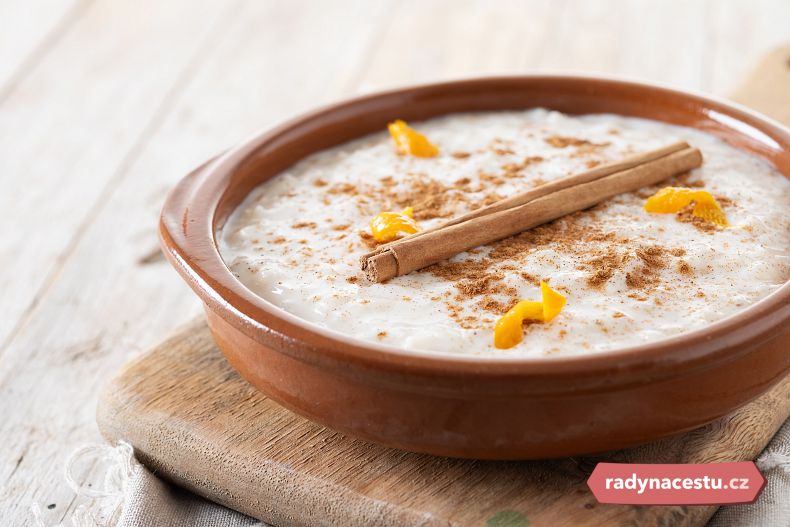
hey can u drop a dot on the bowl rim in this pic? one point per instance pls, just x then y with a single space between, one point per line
189 237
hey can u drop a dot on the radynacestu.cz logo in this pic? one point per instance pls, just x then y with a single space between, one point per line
676 484
705 482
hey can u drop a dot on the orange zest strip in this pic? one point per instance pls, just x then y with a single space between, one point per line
387 225
410 141
675 199
508 330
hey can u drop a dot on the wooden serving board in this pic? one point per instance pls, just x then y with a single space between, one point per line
194 421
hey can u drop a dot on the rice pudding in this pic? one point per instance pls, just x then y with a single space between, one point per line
629 276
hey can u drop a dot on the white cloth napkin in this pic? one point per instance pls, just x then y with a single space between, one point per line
151 501
772 507
131 496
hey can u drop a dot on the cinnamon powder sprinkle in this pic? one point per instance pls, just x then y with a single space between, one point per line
367 240
653 256
343 188
478 286
724 201
428 197
559 141
492 305
638 279
490 178
603 267
645 276
686 216
685 268
511 170
602 254
531 278
502 147
462 183
455 271
490 276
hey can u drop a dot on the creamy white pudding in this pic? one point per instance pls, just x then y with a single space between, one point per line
629 276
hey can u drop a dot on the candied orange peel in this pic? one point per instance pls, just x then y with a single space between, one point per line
675 199
508 330
386 226
410 141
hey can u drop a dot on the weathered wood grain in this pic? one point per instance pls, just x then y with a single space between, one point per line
28 31
112 296
193 420
772 94
69 125
737 34
441 39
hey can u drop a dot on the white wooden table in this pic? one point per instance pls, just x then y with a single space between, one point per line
104 105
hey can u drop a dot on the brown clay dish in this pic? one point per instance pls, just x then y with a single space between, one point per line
477 407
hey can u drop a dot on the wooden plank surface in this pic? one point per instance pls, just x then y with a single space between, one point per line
771 95
104 105
62 149
193 420
28 30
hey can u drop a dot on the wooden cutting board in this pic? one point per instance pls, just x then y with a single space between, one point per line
194 421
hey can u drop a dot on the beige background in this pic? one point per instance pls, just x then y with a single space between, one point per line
104 105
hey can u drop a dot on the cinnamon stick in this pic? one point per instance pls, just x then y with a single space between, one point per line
527 210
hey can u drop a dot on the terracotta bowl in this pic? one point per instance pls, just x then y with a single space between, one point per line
476 407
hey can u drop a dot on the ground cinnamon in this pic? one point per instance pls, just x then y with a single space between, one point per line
529 209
